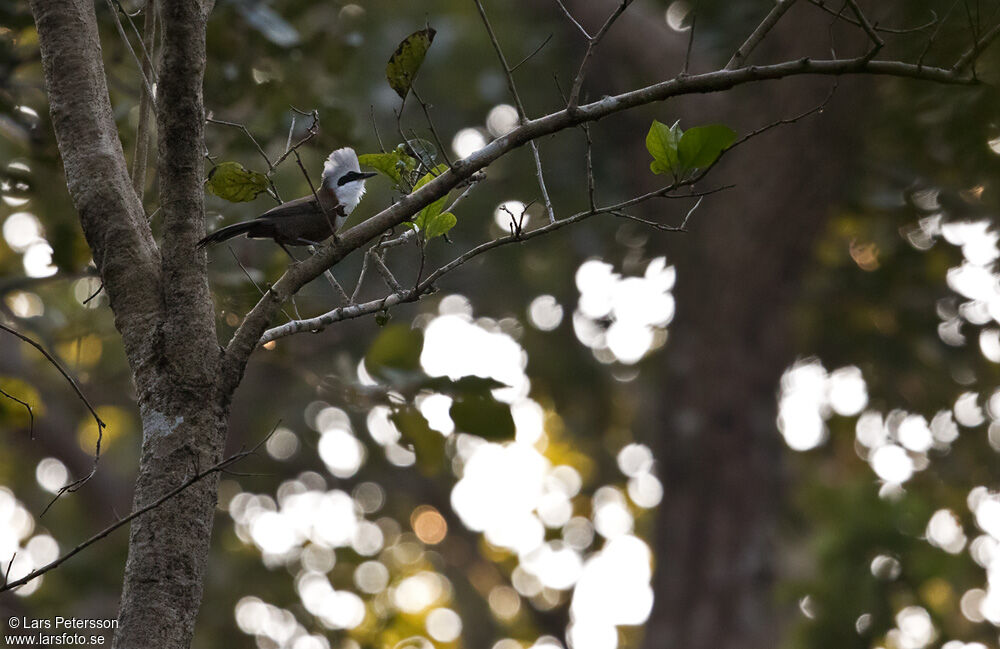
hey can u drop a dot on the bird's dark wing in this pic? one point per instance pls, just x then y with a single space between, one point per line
299 207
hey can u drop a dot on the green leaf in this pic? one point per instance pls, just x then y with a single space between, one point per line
235 183
701 146
425 217
395 352
662 142
405 61
440 225
393 164
483 416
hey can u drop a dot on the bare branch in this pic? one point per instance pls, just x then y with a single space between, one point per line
690 44
142 137
76 484
821 4
759 33
877 42
573 20
250 277
521 114
386 274
541 182
531 54
591 181
31 415
430 123
69 379
934 34
574 93
970 56
128 45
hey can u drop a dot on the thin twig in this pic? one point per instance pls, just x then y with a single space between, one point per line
143 134
128 45
541 182
877 42
573 20
232 459
758 34
69 379
361 276
76 484
532 54
256 144
591 181
146 57
378 138
521 114
934 34
31 415
430 123
821 4
387 276
250 277
690 45
574 93
970 56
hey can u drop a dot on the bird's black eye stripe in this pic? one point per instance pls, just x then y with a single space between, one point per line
348 177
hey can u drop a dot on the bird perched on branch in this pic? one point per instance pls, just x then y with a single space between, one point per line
311 219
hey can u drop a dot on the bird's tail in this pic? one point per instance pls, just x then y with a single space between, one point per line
227 232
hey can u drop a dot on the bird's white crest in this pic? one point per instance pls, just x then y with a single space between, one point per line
337 164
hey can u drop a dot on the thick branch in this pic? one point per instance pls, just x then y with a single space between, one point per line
248 335
189 327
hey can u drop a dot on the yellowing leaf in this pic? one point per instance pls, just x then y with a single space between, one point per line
439 225
405 61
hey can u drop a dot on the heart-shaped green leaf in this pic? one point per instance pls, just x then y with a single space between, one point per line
662 142
701 146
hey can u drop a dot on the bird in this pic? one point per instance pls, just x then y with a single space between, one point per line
306 221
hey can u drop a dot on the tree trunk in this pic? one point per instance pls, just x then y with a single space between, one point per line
161 302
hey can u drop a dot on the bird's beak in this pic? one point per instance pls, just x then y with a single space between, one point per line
367 174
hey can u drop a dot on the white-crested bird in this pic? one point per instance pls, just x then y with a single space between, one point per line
306 221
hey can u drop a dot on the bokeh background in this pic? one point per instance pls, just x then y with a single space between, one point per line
779 428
